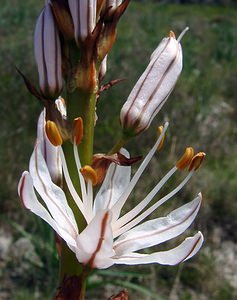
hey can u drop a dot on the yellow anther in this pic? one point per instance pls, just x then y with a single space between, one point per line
197 161
160 130
186 159
89 174
53 133
77 130
172 35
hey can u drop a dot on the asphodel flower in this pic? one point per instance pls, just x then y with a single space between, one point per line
84 18
109 237
154 86
48 56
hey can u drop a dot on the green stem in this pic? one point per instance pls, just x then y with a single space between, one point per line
80 104
83 104
119 144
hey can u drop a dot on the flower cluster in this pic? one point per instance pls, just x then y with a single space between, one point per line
72 41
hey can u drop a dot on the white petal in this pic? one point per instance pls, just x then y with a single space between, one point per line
51 194
115 183
189 247
159 230
95 243
30 201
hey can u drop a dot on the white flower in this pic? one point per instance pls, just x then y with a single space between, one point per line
108 237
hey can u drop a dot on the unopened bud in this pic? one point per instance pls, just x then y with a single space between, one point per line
53 133
186 159
77 130
89 174
160 130
48 55
84 18
197 161
112 12
153 88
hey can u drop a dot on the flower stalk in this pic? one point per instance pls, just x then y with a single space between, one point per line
72 42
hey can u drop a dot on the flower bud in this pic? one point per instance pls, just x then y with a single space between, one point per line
48 56
153 87
84 18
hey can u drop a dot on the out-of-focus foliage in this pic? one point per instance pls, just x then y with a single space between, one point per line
201 110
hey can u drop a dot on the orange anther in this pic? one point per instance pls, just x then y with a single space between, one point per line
77 130
172 35
89 174
197 161
160 130
53 133
186 159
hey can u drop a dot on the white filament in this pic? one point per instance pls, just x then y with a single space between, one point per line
182 34
137 209
146 213
71 188
121 201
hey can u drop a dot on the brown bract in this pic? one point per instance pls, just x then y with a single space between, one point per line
101 163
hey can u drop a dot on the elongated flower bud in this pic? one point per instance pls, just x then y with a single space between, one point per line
153 88
47 50
84 17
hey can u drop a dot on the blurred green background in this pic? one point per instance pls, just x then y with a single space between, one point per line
202 113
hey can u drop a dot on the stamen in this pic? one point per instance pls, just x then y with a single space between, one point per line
186 159
160 130
123 198
69 183
89 174
147 212
53 133
197 161
82 181
182 34
77 130
89 204
172 35
137 209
